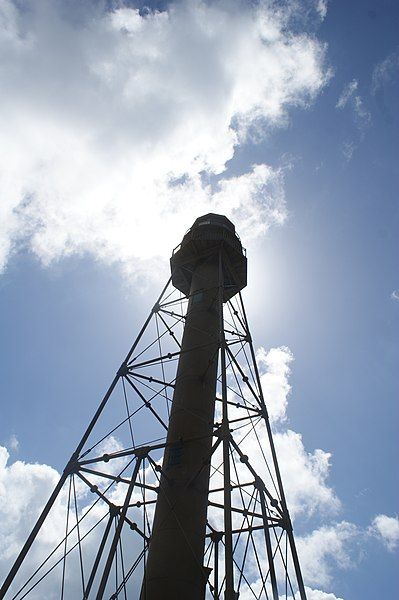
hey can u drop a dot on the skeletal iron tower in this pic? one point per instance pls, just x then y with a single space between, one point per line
174 491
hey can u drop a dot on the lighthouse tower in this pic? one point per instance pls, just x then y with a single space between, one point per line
174 490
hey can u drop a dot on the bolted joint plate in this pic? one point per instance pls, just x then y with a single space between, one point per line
208 235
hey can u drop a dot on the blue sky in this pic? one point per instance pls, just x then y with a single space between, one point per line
323 276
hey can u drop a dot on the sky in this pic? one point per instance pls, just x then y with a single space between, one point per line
120 124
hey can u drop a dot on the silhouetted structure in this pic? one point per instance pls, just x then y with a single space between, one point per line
174 490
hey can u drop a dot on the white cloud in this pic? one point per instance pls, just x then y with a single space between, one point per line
313 594
361 116
321 7
13 443
347 93
325 549
305 476
274 368
395 295
319 595
304 473
348 148
24 488
349 97
113 122
387 530
385 72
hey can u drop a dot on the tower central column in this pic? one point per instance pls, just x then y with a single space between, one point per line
175 560
174 567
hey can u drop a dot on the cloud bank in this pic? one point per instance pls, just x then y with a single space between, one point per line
118 125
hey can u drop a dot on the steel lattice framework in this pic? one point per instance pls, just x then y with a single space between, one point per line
93 536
